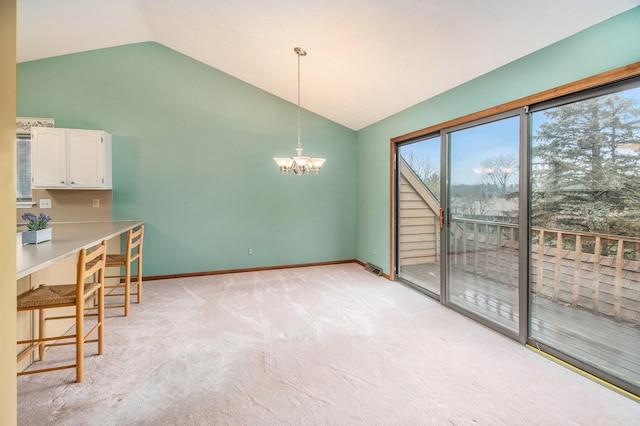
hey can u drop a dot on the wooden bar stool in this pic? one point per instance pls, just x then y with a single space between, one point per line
46 297
133 254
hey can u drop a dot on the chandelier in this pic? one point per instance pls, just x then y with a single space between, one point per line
299 164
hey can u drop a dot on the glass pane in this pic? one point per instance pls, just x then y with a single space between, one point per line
23 168
419 214
585 235
483 225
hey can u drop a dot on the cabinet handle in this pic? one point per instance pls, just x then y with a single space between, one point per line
73 183
61 181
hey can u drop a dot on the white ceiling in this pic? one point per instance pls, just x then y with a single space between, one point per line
367 59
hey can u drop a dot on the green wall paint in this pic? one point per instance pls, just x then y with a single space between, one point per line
608 45
192 156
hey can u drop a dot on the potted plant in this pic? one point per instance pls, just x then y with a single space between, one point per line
37 228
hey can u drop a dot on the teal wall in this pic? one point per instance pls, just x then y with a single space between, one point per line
608 45
192 156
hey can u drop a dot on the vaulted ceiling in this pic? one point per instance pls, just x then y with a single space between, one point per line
367 59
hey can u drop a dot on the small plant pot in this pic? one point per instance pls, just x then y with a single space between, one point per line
35 237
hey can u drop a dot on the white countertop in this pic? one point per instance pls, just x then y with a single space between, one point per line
67 240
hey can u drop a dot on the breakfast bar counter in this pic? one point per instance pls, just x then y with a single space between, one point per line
67 240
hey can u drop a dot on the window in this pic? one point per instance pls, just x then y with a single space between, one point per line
585 230
483 197
418 248
23 168
24 196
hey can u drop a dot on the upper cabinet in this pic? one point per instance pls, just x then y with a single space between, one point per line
70 158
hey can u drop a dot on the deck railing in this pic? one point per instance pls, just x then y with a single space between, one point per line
599 272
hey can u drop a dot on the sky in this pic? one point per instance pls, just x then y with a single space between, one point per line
470 147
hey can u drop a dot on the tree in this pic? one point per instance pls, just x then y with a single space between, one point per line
585 166
425 169
470 201
501 171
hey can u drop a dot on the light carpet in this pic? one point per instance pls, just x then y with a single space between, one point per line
330 345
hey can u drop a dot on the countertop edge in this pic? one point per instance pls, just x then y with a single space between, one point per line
29 269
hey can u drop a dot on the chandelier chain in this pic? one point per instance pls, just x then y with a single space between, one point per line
299 127
299 164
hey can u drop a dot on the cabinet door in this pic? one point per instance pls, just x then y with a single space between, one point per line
48 158
85 156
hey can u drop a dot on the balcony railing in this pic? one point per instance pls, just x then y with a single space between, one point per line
599 272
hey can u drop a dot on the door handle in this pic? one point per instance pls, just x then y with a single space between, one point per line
441 219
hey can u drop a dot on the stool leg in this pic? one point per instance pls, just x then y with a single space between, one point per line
139 279
101 319
79 337
41 333
127 287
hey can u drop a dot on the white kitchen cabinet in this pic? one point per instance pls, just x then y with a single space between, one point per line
70 159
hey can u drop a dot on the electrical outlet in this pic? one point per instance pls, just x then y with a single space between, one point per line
250 251
96 202
373 252
45 203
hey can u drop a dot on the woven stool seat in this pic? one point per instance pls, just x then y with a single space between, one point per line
53 295
116 259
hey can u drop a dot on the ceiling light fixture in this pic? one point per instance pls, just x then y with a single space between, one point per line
299 164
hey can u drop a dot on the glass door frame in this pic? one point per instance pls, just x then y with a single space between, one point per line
523 221
396 158
542 347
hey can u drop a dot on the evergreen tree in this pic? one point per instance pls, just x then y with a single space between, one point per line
585 164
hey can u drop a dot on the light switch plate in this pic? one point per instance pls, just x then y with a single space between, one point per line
45 203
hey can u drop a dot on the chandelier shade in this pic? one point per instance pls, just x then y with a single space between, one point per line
299 164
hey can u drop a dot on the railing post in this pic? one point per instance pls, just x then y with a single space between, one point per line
453 227
617 287
540 263
498 249
595 290
486 252
576 272
464 246
556 274
512 248
475 248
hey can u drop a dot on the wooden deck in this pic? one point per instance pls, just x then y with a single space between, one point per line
610 345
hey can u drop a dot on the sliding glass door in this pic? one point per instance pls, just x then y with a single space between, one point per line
529 222
418 214
482 205
585 232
